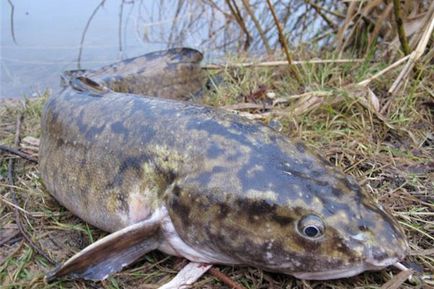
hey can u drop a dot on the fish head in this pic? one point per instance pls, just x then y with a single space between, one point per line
326 228
275 205
342 239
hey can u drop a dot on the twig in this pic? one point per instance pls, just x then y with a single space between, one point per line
251 116
217 8
80 51
417 53
9 235
306 94
378 24
397 281
280 63
248 105
11 254
12 21
121 12
426 252
284 43
341 31
334 13
236 13
318 9
360 15
225 279
178 9
378 74
10 178
18 153
258 27
400 27
12 204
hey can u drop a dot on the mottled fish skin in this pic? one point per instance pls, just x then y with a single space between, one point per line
174 73
233 188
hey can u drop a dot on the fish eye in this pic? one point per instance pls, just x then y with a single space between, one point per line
311 226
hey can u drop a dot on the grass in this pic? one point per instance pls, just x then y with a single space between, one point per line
391 157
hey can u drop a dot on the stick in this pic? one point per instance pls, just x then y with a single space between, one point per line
240 21
11 254
417 53
225 279
12 21
306 94
187 276
323 16
247 105
284 43
18 153
341 31
258 27
10 178
378 25
400 27
397 281
80 51
378 74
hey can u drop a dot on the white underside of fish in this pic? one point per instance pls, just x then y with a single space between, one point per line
172 244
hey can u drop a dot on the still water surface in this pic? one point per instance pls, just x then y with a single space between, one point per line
40 39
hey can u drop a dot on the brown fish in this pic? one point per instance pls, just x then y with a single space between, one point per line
200 182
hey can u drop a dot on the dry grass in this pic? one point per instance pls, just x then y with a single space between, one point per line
388 147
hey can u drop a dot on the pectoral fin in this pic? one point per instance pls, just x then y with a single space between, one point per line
111 253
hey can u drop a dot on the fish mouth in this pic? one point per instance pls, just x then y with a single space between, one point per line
345 272
330 274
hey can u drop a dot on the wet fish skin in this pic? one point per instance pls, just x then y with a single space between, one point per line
235 190
174 73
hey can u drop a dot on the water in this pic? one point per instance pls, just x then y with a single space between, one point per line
41 39
46 35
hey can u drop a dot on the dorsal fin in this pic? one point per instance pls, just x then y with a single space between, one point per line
85 84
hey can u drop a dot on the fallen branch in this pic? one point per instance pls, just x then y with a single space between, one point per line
18 153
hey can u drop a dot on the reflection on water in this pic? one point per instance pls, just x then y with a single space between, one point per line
48 35
40 39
